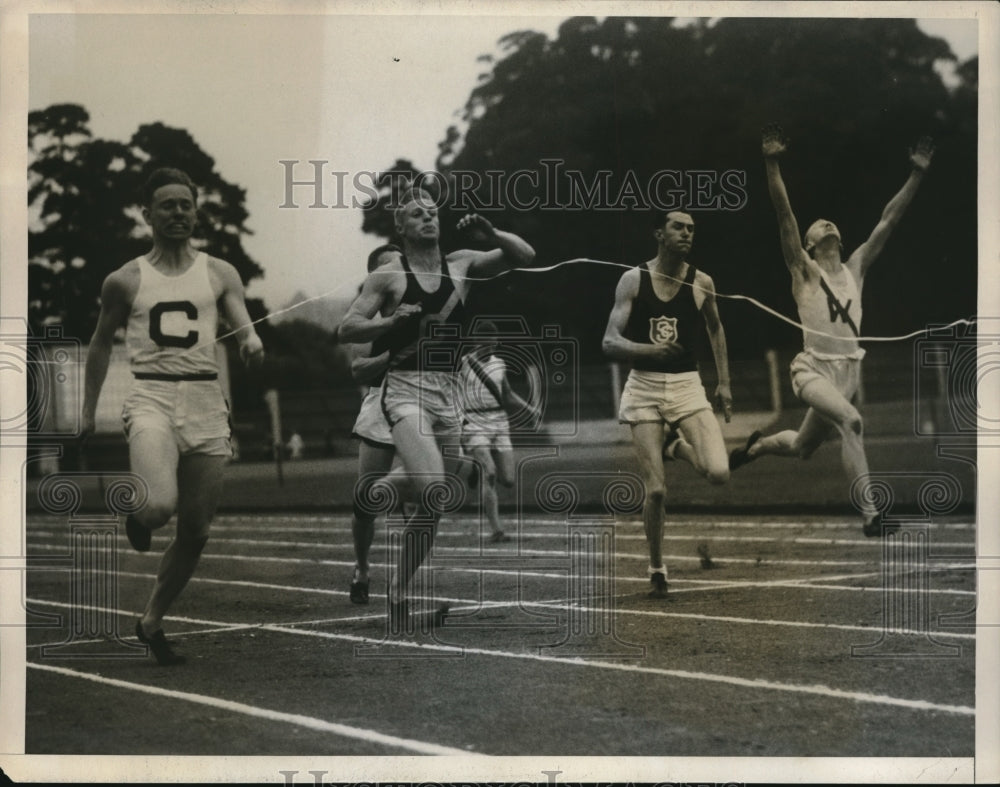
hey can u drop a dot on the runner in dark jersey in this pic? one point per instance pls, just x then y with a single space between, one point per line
655 326
827 291
425 288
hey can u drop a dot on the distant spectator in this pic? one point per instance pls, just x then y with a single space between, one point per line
295 446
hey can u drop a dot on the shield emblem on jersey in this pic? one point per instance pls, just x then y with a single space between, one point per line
662 329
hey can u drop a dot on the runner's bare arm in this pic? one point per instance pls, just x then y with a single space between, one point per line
366 368
717 338
865 254
773 145
115 305
511 251
363 322
615 345
513 402
233 306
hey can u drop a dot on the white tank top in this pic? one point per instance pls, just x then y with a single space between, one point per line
476 396
174 320
835 310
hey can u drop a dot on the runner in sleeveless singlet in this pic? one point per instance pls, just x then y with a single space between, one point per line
424 288
176 417
654 326
486 399
376 451
827 291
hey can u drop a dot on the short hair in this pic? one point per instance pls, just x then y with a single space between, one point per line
166 176
378 252
412 194
809 246
663 216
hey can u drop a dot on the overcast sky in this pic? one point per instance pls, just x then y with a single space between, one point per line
355 91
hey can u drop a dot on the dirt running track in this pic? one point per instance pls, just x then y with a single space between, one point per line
777 649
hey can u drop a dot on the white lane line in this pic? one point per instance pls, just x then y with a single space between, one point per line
808 585
566 605
532 529
507 554
702 520
701 585
753 683
345 545
308 722
756 683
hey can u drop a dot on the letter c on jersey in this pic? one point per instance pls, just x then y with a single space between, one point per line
166 340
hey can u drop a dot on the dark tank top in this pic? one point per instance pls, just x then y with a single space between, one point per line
654 321
443 307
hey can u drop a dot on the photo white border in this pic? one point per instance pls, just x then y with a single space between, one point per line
985 768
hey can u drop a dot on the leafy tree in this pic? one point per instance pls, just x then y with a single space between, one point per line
635 96
83 196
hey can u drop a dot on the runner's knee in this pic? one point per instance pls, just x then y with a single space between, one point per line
656 493
803 449
420 483
362 513
157 513
854 422
806 451
717 475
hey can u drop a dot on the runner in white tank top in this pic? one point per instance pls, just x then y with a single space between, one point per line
175 416
827 290
486 397
173 321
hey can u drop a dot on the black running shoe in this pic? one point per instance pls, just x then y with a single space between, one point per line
159 646
359 590
138 536
659 582
741 456
876 528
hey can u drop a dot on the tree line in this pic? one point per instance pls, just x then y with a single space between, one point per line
639 96
631 98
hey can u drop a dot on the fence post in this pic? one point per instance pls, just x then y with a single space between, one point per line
771 357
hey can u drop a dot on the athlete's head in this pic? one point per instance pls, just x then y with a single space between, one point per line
417 217
382 255
170 204
675 232
165 176
819 231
